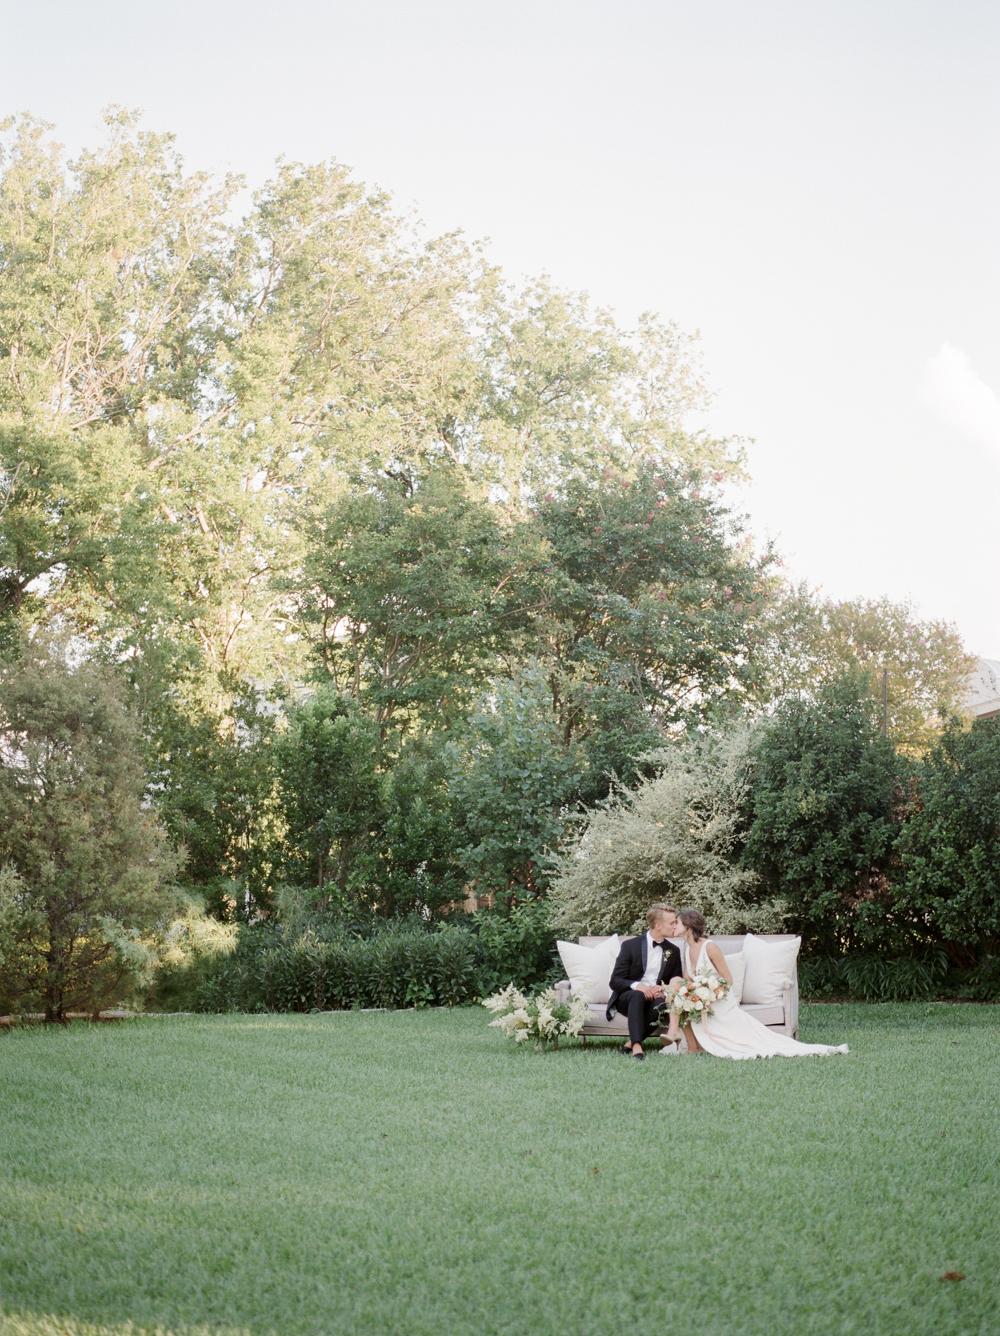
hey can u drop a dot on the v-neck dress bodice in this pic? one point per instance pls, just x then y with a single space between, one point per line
702 955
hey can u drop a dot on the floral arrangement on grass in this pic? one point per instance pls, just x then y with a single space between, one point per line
694 999
541 1018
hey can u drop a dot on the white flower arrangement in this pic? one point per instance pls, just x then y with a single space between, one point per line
694 999
541 1018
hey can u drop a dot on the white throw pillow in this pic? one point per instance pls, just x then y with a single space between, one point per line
588 968
737 968
768 966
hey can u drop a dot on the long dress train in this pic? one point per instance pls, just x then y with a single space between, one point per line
732 1033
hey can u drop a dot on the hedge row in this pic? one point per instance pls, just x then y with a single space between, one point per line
453 965
870 978
446 967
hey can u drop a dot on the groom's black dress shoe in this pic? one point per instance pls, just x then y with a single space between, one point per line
639 1057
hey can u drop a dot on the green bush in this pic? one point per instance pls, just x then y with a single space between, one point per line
871 978
822 817
517 948
950 848
322 968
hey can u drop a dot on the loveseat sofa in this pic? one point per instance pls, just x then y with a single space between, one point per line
779 1011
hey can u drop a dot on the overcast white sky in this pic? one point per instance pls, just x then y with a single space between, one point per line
813 184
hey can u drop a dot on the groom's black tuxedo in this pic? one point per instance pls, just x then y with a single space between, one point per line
629 969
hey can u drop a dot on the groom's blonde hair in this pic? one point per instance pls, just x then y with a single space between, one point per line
657 913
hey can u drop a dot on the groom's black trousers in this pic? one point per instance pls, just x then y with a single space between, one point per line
643 1014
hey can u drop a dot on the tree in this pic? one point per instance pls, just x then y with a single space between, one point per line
949 883
418 594
511 777
822 815
674 837
88 866
329 790
177 389
214 781
410 864
811 641
560 391
106 299
646 594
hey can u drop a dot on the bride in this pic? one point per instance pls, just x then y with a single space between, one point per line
730 1032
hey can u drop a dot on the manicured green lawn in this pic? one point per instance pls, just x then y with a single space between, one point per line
411 1173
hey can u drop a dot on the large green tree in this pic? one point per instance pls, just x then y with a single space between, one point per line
648 593
329 791
808 641
88 866
417 593
950 847
822 814
237 452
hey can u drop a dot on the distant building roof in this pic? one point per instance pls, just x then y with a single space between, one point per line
983 700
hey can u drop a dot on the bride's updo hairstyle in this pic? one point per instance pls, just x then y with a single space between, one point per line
695 921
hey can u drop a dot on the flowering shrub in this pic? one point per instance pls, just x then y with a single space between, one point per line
694 999
540 1018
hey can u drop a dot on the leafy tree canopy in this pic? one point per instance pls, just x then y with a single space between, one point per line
87 867
826 793
811 641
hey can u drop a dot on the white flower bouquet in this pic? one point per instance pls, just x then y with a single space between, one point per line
694 999
540 1018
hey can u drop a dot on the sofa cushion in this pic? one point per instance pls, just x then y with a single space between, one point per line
768 966
767 1015
588 968
737 968
597 1024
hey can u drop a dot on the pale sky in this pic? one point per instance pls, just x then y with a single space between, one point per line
812 184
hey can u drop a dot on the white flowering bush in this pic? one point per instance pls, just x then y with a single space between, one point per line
541 1018
694 999
674 838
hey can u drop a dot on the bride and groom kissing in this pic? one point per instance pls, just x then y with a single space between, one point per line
651 967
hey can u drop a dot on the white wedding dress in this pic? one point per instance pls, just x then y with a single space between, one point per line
732 1033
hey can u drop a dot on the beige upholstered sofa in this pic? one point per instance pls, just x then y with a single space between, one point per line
782 1016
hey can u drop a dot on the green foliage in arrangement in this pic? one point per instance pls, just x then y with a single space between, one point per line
822 813
86 865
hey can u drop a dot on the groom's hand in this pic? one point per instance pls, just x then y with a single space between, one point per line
648 990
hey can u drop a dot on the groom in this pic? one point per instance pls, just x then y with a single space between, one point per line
637 980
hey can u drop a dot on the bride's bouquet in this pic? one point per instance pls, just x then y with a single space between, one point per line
694 999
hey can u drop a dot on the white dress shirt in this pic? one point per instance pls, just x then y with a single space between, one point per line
654 962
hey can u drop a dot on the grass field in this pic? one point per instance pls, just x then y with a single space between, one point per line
411 1173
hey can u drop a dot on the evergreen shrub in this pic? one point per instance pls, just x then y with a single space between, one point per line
399 966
